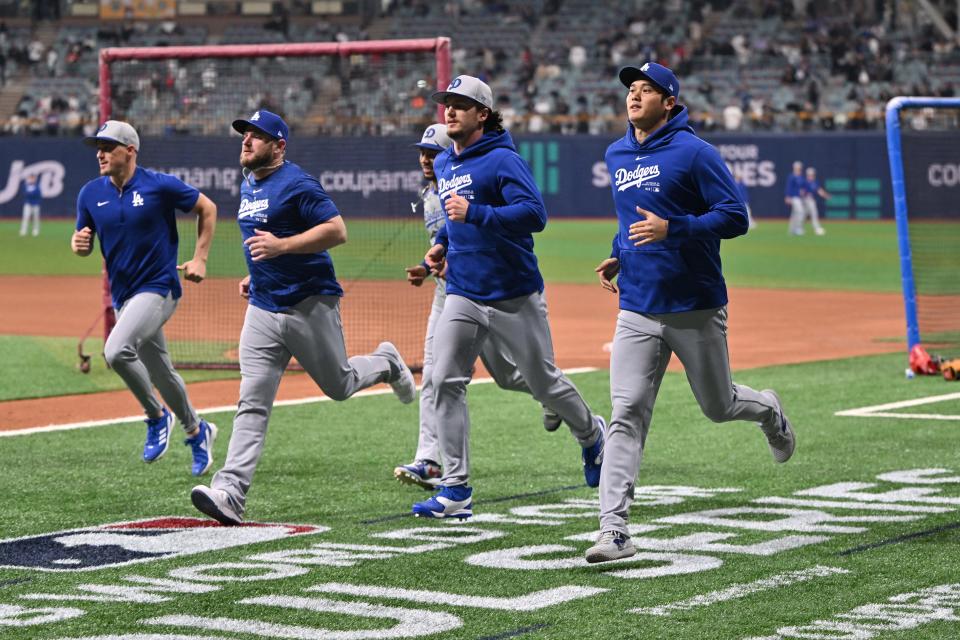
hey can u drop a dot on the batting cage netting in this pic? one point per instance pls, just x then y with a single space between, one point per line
354 110
923 136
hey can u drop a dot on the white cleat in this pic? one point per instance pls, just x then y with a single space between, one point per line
781 439
216 504
404 386
611 545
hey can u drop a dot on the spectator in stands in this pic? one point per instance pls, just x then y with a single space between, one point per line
35 53
903 57
732 117
52 58
16 125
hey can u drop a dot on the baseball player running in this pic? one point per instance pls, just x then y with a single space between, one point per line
425 471
288 223
494 289
132 211
675 201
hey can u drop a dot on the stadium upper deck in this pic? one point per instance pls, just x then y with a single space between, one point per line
774 65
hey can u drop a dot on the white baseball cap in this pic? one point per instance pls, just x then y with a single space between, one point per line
468 87
435 138
115 131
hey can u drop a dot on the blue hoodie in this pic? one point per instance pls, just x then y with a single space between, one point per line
490 256
680 178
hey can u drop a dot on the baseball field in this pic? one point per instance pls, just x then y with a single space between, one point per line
857 536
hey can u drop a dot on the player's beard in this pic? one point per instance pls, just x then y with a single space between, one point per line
263 159
461 134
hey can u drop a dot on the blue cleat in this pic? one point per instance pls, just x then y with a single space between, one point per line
449 502
593 457
158 436
202 447
423 473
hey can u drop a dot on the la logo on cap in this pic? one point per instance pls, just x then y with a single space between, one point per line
255 116
645 67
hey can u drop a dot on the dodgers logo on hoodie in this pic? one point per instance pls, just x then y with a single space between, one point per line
640 177
456 184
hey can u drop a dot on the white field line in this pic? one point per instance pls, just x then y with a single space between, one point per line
883 410
742 590
224 408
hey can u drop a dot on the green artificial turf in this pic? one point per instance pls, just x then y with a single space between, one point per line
41 367
852 256
330 464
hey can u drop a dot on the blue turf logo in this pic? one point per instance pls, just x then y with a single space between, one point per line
122 543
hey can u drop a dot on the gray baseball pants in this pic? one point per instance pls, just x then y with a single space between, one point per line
137 351
642 346
797 214
501 367
813 212
517 326
310 331
30 212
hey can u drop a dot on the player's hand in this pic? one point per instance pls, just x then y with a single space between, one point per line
245 288
788 200
434 257
608 270
264 245
651 229
81 243
416 275
456 207
193 270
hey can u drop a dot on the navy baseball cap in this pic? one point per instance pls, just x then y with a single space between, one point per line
115 131
654 73
265 121
434 138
